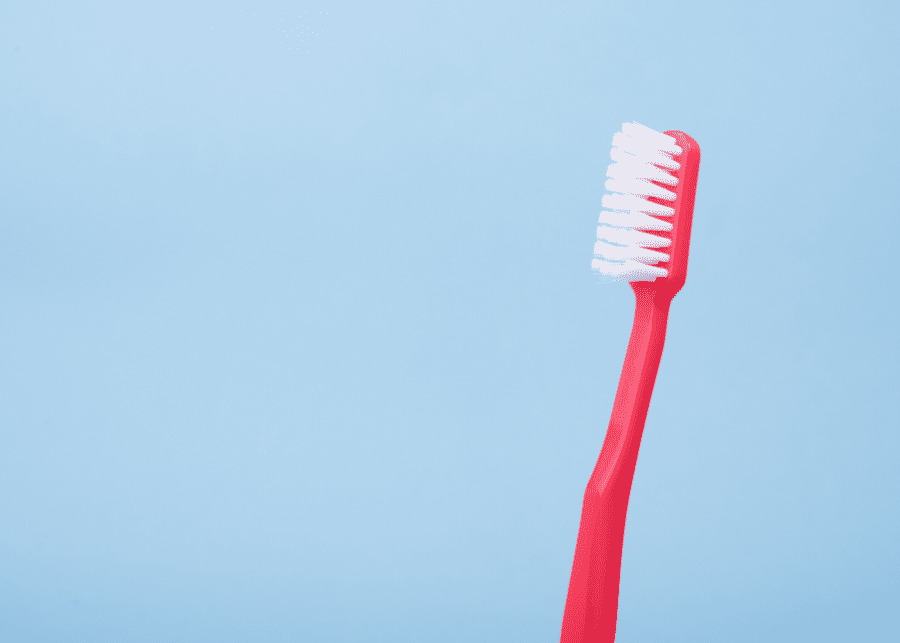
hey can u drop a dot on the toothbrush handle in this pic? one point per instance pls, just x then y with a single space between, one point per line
593 598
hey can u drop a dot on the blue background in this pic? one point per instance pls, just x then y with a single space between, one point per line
299 339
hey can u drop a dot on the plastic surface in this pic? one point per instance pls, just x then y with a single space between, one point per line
593 598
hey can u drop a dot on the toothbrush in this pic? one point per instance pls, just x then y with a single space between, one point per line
643 238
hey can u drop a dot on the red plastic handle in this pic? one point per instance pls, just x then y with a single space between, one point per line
593 599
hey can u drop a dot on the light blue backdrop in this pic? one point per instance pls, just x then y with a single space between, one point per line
299 340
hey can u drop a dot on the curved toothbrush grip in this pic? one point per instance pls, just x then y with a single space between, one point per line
593 597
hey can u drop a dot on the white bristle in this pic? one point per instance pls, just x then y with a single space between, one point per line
631 203
622 252
628 166
628 270
631 237
615 252
633 220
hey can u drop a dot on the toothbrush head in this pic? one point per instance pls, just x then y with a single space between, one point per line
645 228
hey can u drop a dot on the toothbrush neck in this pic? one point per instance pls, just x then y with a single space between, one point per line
648 336
657 295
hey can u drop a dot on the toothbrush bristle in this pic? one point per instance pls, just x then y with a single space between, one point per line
644 163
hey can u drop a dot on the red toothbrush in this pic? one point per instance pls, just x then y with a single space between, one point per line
653 182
